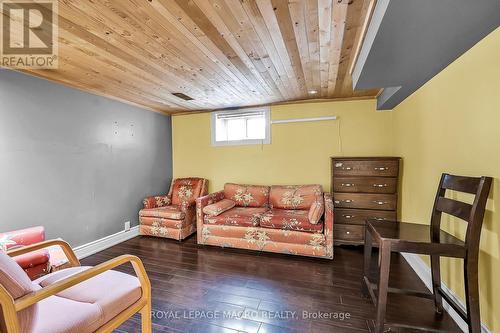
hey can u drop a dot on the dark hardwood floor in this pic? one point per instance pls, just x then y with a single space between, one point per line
209 289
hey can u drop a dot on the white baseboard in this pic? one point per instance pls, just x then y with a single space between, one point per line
424 273
88 249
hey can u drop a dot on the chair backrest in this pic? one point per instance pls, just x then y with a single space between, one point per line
16 283
185 191
473 213
247 195
26 236
295 196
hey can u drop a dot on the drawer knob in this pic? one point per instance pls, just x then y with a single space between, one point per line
379 185
348 216
348 232
346 201
380 202
347 168
347 184
381 168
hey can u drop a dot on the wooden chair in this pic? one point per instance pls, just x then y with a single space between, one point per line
27 306
431 240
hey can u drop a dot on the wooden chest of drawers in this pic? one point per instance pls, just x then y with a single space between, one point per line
362 188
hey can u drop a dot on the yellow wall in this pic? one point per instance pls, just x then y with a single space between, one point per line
452 124
299 152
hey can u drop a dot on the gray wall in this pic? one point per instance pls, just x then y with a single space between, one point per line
409 42
76 163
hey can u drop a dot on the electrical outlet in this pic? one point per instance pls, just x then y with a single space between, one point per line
127 226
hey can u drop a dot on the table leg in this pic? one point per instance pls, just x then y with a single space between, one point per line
366 260
383 284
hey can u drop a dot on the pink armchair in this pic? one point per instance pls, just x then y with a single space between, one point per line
173 215
76 299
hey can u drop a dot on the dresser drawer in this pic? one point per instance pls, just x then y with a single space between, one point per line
349 232
359 216
365 201
384 168
365 184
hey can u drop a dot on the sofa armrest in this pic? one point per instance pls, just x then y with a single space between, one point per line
68 251
19 238
329 224
201 203
156 201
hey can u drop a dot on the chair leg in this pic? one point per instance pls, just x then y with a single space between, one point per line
146 321
436 282
472 297
383 285
367 260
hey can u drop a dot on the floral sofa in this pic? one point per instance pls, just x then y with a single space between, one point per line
173 215
283 219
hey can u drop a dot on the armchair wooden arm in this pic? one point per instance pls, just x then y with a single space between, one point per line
68 251
11 307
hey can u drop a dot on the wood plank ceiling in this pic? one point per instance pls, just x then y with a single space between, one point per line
222 53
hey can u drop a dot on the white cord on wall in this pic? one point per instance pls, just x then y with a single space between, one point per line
340 140
299 120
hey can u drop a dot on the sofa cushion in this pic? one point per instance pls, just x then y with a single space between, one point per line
289 220
160 223
247 195
294 196
52 278
316 211
184 191
270 235
219 207
62 315
238 216
112 291
168 212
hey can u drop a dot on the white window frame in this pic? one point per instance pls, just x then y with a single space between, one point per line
266 140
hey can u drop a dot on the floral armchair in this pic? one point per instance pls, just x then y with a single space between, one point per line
173 215
36 263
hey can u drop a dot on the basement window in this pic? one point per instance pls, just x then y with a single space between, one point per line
241 127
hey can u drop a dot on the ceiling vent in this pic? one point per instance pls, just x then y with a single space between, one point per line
183 96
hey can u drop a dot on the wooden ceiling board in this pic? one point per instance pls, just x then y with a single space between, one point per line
354 30
222 53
